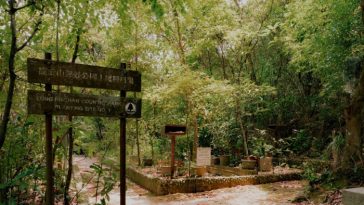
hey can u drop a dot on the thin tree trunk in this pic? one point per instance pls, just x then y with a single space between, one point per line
70 130
136 57
57 31
70 135
152 147
223 63
243 130
250 64
137 140
11 67
154 128
209 60
179 37
195 138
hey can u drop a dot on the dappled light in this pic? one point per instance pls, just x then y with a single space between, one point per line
173 102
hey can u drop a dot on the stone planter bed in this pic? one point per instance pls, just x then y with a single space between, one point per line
163 185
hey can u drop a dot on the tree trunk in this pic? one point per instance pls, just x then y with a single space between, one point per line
223 63
352 153
70 165
11 72
195 138
136 58
353 118
137 141
243 130
154 129
250 66
353 145
70 130
180 44
11 67
70 136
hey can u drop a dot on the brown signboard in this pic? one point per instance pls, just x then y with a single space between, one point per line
175 130
40 102
79 75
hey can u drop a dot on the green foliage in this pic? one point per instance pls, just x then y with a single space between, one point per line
321 36
19 179
337 144
182 147
106 180
300 142
234 66
156 7
205 137
261 148
311 173
20 164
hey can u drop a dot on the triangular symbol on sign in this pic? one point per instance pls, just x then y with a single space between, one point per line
130 107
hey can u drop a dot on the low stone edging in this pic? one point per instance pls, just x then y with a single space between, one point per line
230 171
160 186
319 164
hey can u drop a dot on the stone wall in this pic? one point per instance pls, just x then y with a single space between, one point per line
230 171
299 162
163 186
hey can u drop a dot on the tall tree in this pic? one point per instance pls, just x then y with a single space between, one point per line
335 58
13 8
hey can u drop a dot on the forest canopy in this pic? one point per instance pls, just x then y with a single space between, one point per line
247 77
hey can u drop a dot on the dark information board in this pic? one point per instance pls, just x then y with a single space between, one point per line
175 129
80 75
40 102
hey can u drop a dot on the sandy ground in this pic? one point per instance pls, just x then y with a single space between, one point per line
269 194
280 193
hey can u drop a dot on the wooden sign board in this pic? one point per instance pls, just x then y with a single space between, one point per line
40 102
79 75
203 156
175 130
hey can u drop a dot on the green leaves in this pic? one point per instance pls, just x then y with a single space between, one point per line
156 7
321 35
19 180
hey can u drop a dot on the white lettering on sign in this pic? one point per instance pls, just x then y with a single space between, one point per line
85 75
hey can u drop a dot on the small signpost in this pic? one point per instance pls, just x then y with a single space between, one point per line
49 103
173 131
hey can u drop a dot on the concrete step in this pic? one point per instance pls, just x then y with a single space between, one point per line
354 196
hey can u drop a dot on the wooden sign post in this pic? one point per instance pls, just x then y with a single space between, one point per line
49 103
48 147
122 147
173 131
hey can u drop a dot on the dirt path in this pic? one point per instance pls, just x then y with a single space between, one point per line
280 193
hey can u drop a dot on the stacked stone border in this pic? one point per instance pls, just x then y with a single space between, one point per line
162 186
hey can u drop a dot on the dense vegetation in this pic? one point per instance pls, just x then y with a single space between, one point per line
246 77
